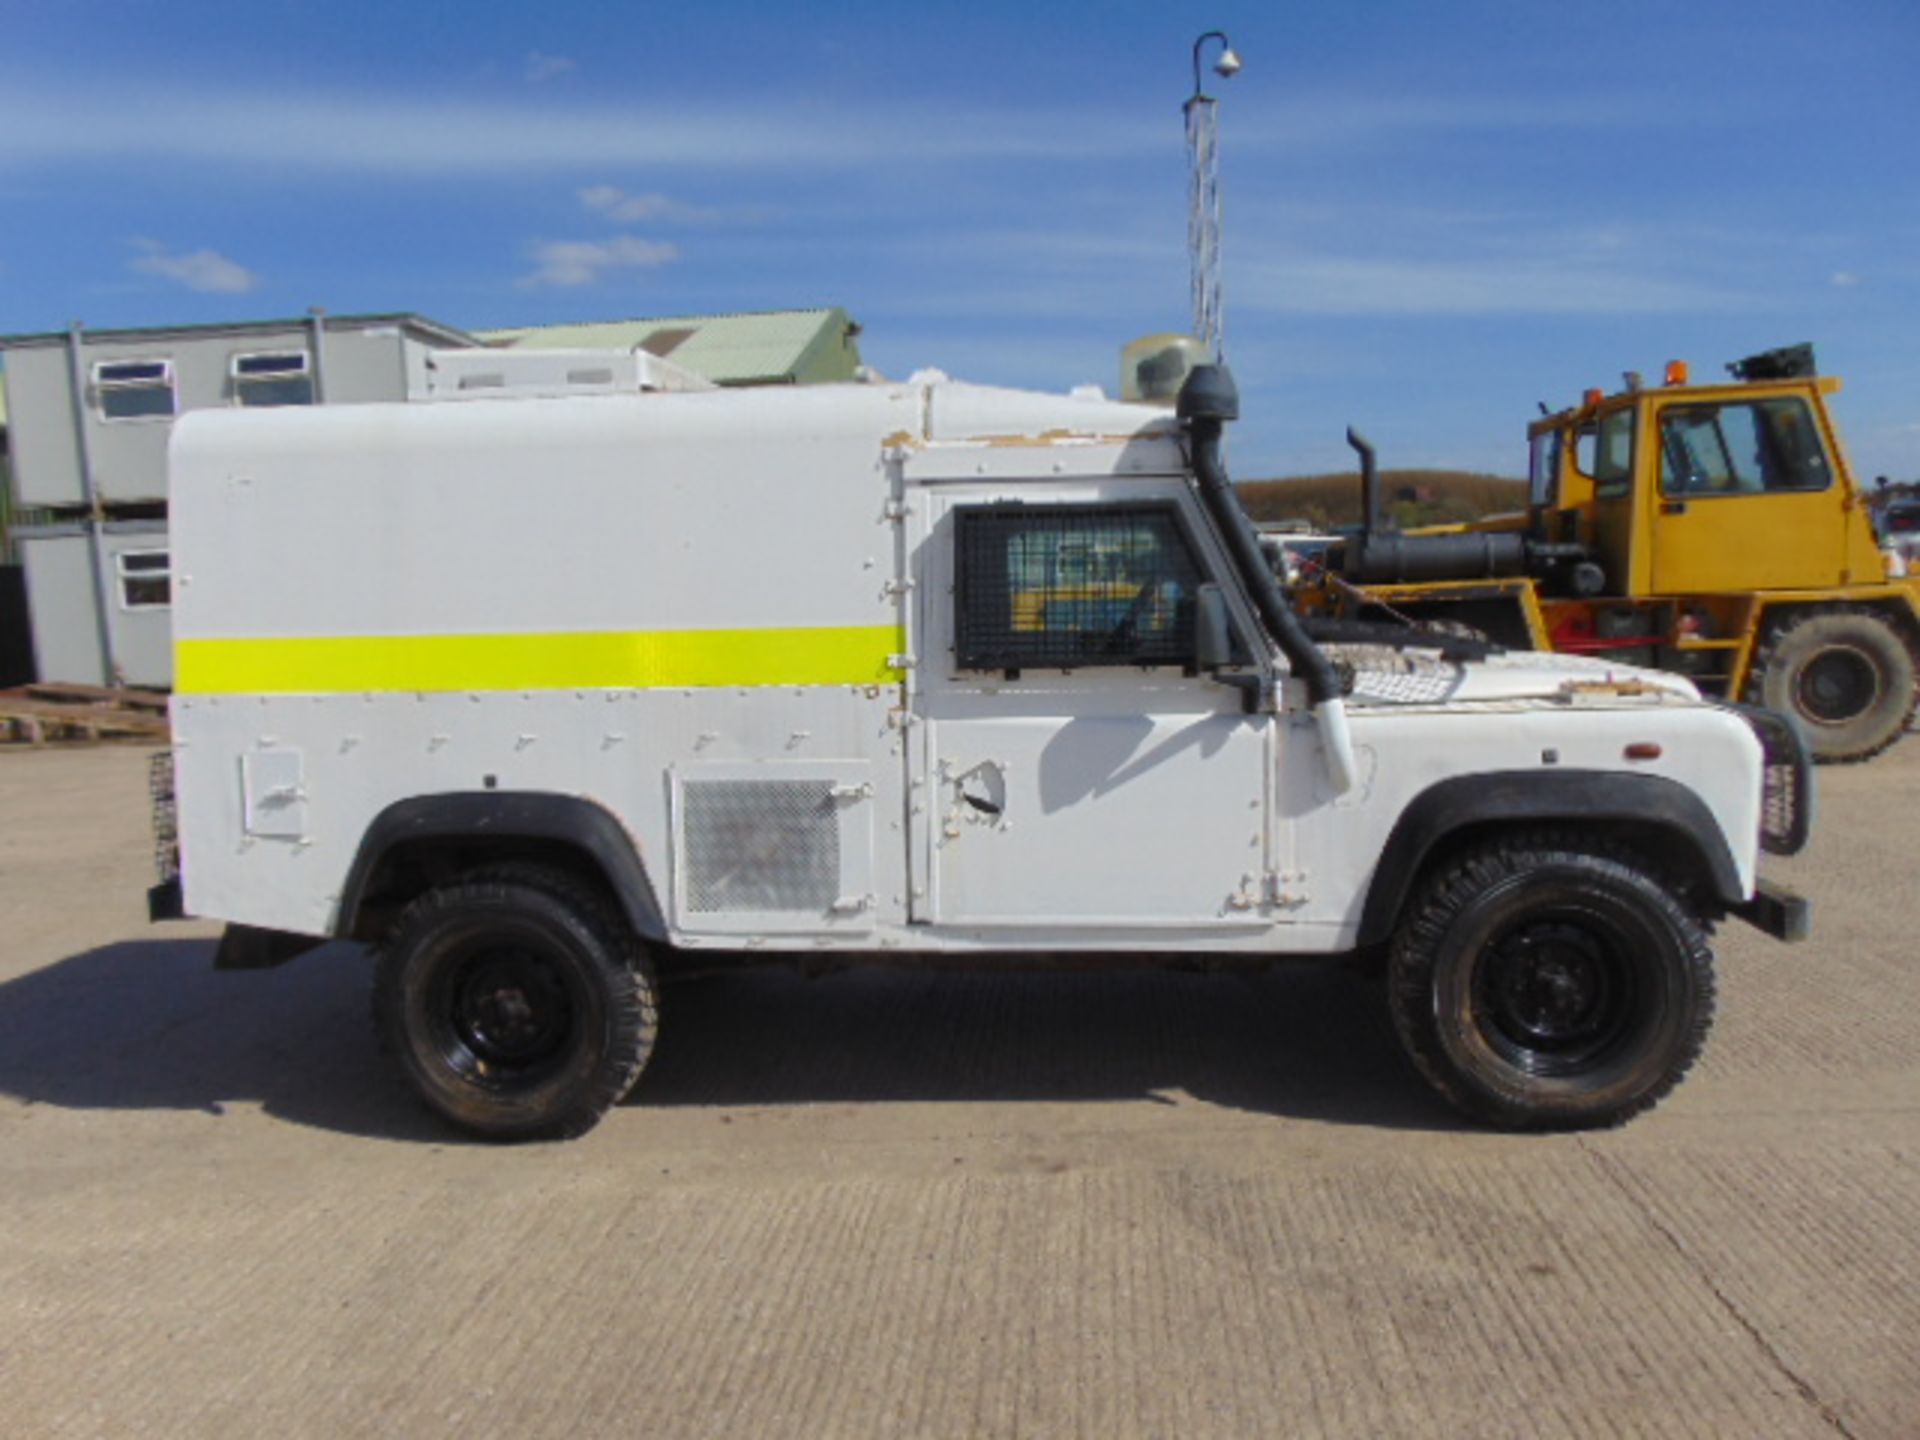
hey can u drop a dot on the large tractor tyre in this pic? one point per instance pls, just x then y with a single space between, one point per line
1847 675
519 1006
1545 983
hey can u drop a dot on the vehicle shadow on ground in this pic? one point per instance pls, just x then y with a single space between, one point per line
1307 1041
150 1025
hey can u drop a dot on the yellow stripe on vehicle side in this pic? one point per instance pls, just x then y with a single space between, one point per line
590 659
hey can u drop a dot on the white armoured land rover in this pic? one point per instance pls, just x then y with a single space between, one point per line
537 695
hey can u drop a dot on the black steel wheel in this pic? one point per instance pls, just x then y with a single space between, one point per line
1541 982
519 1005
1848 675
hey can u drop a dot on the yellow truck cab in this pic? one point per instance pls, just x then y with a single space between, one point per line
1715 530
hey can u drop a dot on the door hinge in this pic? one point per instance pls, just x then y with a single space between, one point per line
1287 890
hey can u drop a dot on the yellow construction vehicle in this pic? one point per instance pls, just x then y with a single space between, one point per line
1714 530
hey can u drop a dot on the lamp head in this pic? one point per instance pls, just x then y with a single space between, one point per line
1228 65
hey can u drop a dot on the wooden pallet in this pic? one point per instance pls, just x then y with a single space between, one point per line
126 697
39 714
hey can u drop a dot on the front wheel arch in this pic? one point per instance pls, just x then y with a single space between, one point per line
1656 817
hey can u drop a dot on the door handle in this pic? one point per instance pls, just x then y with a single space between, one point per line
983 788
1674 507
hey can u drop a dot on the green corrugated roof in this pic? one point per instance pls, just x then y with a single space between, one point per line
768 347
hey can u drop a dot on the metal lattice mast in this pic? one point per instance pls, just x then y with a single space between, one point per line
1202 113
1203 219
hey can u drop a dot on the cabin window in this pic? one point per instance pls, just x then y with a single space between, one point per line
133 389
1747 447
1543 470
1065 586
1613 455
146 579
285 378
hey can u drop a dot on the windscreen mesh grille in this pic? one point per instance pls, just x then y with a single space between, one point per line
761 845
1063 586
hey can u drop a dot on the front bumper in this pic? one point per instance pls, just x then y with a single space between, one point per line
1778 911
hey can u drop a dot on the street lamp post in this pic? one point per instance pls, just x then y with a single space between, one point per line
1203 193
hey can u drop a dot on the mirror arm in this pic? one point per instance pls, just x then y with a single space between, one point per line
1256 691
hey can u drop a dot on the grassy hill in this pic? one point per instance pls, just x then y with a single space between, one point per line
1413 497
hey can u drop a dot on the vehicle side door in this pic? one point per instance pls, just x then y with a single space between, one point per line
1079 769
1748 499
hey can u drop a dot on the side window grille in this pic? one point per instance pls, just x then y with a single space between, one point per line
1066 586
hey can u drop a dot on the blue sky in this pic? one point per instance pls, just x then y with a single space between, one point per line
1437 214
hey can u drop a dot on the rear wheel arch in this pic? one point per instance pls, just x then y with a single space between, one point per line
1657 818
430 840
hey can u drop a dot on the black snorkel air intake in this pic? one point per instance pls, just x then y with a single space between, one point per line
1208 400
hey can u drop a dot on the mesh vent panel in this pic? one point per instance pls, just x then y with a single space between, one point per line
1058 586
1383 675
761 845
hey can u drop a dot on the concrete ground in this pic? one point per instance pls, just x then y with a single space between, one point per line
899 1204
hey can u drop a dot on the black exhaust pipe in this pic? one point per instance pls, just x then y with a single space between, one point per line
1380 555
1371 520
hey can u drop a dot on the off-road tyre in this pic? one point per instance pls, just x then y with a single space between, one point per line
518 1003
1549 982
1847 674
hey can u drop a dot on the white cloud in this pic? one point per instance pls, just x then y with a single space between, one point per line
1474 287
355 132
55 121
1324 121
542 68
205 270
616 204
1844 279
581 262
